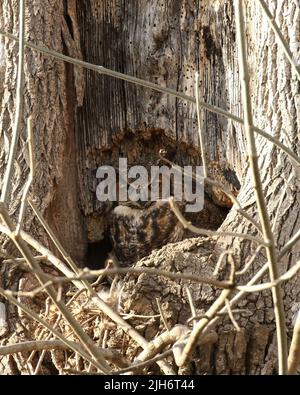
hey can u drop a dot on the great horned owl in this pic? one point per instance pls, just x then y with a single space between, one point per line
137 230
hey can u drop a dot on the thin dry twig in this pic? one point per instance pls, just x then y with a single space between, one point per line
102 70
127 328
209 181
87 274
280 202
189 345
220 260
200 130
30 178
25 251
250 262
46 345
75 296
170 338
248 288
192 306
132 315
258 189
136 367
162 316
22 261
273 284
197 333
43 353
84 284
52 236
45 324
292 272
279 37
294 354
231 316
220 314
211 233
104 307
289 245
42 334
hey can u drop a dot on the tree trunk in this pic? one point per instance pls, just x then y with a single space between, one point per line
83 120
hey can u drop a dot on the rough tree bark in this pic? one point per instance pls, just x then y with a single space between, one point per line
83 120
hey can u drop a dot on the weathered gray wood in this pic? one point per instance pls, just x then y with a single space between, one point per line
169 51
50 100
164 42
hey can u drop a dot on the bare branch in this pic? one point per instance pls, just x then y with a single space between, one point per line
25 251
209 181
294 354
136 367
45 324
46 345
102 70
249 263
220 260
127 328
292 272
280 202
293 240
53 238
230 314
192 306
162 316
200 130
258 189
279 37
189 345
205 232
30 178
